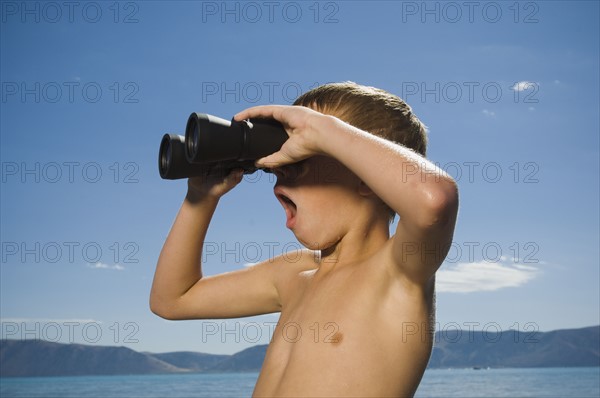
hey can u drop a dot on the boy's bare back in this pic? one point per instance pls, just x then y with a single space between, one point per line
358 320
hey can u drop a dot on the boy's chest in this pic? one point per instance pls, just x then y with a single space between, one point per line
345 325
346 308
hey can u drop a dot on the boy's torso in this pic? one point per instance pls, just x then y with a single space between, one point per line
357 330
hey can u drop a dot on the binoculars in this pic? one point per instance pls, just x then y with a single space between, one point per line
213 145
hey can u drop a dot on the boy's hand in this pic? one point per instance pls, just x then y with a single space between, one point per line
299 123
213 186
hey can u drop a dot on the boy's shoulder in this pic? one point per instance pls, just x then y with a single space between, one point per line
294 261
289 263
285 269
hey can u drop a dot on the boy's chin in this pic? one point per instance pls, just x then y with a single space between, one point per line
306 239
309 245
314 241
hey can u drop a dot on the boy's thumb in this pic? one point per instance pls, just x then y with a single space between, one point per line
269 162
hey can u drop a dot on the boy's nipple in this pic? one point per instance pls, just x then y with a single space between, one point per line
336 338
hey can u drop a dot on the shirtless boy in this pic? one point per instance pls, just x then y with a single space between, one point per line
362 310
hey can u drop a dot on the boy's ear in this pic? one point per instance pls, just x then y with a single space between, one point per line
364 190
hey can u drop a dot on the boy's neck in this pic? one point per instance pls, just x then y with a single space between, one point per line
354 247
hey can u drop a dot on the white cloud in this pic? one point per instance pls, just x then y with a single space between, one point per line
489 113
250 264
483 276
524 85
106 266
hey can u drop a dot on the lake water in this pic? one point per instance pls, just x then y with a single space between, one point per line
537 382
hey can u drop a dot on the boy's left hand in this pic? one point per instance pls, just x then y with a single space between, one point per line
300 124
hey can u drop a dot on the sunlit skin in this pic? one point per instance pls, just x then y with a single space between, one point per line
357 306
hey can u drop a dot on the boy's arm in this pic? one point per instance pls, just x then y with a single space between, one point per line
179 290
425 197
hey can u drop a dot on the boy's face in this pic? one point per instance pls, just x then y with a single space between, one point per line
320 197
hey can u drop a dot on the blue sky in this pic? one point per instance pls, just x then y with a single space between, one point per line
508 90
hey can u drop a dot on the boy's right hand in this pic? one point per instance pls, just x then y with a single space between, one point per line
212 186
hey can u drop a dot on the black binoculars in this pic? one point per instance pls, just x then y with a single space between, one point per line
215 145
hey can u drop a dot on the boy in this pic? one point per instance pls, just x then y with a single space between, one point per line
362 311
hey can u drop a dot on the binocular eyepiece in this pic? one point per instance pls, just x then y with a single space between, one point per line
212 144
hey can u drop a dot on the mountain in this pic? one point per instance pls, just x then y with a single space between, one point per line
42 358
559 348
457 348
249 360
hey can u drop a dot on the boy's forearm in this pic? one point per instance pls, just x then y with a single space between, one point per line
178 267
411 185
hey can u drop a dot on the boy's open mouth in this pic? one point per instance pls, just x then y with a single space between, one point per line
288 201
288 205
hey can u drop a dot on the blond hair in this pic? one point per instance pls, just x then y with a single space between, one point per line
370 109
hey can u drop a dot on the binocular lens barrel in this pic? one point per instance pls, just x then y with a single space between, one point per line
210 139
172 163
212 143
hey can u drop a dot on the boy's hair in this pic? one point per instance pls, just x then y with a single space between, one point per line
370 109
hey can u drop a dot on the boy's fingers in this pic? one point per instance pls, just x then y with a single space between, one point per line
249 113
266 162
235 176
276 159
231 180
261 111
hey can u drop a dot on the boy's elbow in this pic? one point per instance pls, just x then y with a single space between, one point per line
440 205
161 309
171 310
156 308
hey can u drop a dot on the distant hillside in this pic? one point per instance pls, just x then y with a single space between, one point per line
559 348
574 347
249 360
42 358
